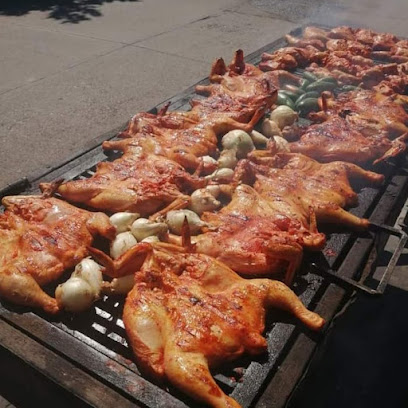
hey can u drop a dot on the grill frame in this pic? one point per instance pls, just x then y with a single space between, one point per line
268 381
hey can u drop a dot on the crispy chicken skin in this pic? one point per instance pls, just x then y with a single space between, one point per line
136 182
42 237
189 312
238 91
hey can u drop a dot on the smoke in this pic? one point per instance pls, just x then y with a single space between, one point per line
379 15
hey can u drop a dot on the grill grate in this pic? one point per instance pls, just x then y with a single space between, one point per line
96 341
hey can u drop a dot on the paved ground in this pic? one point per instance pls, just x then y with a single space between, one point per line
74 71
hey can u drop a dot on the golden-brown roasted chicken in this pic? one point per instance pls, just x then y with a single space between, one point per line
376 41
233 107
325 188
316 33
304 42
40 238
188 313
340 139
369 108
180 136
241 81
352 69
349 46
258 236
290 58
345 54
137 182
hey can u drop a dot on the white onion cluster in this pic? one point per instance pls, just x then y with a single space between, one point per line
82 288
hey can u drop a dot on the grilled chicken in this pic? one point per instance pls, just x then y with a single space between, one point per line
339 139
258 236
245 80
41 237
376 41
241 81
353 69
342 32
342 77
352 47
370 107
180 136
325 188
232 107
345 54
315 33
264 229
238 91
137 182
188 313
304 42
286 58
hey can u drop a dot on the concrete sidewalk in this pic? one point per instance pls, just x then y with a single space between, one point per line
70 73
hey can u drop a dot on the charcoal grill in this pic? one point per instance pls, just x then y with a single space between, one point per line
85 360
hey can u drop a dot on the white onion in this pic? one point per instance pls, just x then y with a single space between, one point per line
82 288
222 175
238 140
75 295
122 242
282 145
209 160
270 128
151 239
143 228
122 286
258 138
228 159
204 200
175 220
123 220
284 116
91 272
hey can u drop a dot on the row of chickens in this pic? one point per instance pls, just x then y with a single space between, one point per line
188 309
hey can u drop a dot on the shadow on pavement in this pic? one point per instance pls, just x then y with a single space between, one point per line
68 11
